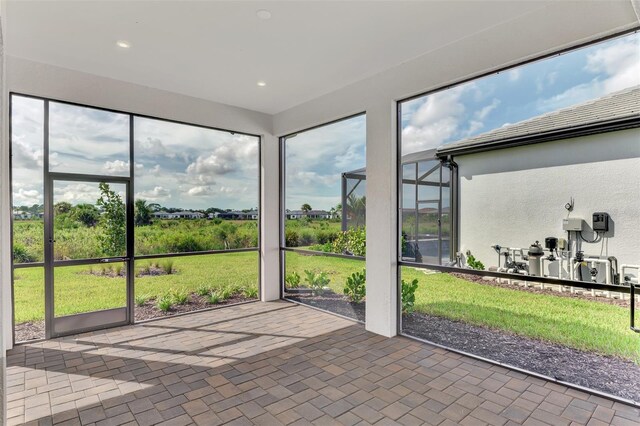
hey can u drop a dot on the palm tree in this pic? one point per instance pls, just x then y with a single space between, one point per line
143 213
357 207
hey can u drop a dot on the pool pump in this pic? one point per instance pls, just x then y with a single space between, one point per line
535 254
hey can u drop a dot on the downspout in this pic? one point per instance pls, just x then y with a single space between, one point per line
343 213
454 242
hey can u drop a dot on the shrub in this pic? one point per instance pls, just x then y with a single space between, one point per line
185 243
226 293
306 238
352 241
164 303
146 269
167 266
474 263
292 280
21 254
326 237
214 297
117 269
291 238
317 282
355 289
203 290
326 247
141 299
180 297
409 296
250 292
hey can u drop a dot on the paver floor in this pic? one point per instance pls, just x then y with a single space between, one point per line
277 363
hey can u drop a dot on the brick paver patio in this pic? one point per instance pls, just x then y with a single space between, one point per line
277 363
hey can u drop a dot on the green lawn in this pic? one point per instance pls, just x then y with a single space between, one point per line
338 269
79 291
573 322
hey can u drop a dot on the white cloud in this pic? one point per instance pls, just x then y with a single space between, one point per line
158 193
116 167
77 193
435 121
303 177
514 74
484 112
25 155
27 197
474 127
220 162
201 191
620 62
615 67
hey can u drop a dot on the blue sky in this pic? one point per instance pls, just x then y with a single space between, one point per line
316 159
520 93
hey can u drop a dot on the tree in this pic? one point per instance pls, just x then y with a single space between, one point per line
87 214
62 207
306 208
356 209
143 213
114 238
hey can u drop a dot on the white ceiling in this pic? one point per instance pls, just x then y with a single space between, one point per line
218 50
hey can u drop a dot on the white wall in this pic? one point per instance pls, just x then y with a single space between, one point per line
547 30
515 196
27 77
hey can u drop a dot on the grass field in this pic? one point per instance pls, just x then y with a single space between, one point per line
79 291
338 269
577 323
573 322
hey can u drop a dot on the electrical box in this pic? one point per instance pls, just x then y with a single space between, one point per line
600 222
572 224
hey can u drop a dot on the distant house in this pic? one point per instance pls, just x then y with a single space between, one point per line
235 215
311 214
20 215
178 215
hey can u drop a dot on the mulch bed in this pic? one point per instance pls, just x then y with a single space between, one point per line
583 295
35 330
331 302
603 373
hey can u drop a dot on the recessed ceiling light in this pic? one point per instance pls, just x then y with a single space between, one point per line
123 44
263 14
262 83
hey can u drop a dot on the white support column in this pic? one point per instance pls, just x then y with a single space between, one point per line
382 299
270 219
5 255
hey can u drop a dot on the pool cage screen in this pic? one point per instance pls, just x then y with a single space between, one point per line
425 207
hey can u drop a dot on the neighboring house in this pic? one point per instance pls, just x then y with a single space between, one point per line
235 215
178 215
515 181
311 214
20 215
